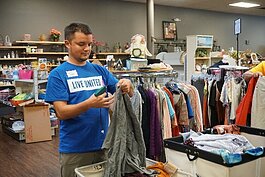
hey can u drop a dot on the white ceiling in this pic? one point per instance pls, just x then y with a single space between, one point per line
213 5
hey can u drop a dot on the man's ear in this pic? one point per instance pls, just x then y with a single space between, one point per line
66 43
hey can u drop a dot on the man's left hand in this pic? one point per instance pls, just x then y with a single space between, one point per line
126 86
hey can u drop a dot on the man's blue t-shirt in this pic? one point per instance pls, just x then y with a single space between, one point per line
74 84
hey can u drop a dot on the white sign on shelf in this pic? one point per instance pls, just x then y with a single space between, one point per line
237 26
206 41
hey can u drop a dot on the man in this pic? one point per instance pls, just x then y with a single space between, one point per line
83 116
257 71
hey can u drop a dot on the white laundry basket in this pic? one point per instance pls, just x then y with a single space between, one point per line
97 170
94 170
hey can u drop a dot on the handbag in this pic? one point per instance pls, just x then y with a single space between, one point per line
25 74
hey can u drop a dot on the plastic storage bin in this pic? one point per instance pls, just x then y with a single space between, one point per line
257 138
206 164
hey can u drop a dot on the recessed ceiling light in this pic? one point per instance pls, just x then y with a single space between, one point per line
244 4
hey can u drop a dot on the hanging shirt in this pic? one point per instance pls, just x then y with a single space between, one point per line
244 107
212 104
196 106
167 119
236 97
170 107
258 105
146 109
155 128
175 128
136 100
189 107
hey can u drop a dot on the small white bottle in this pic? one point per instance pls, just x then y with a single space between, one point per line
28 50
12 54
17 55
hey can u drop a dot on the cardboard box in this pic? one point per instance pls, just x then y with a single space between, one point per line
37 123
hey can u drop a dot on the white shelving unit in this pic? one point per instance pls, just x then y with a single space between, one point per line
198 54
30 85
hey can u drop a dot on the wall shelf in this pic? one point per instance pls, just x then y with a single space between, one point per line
46 53
204 47
202 58
14 54
112 53
39 42
31 81
16 47
52 65
99 59
41 49
26 58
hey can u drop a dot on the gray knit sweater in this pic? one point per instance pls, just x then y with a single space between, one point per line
124 144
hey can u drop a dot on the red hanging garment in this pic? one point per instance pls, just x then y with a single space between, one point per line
244 107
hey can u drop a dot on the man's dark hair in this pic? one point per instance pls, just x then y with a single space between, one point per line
76 27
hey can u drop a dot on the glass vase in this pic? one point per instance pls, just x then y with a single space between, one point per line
55 38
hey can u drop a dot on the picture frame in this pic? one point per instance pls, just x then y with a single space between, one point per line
169 30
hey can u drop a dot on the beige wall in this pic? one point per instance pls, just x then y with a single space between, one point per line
116 21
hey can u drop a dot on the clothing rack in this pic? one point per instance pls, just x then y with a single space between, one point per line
229 68
153 74
216 77
223 69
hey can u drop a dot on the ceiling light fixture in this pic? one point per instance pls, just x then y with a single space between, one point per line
244 4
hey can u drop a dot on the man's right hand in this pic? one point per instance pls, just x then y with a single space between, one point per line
101 101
